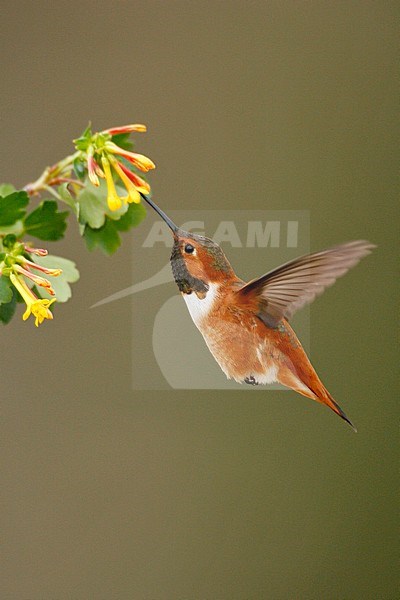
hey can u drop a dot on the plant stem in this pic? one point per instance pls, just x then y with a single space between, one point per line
51 176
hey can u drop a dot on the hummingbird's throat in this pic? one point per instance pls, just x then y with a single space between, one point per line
186 282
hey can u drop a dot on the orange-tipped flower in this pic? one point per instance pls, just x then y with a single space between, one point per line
45 283
98 170
140 184
139 160
37 251
53 272
91 166
133 194
126 129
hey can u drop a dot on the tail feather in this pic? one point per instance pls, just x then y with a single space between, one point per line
311 387
329 401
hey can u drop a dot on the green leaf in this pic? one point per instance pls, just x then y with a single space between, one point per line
7 310
123 140
68 198
132 218
60 284
80 168
6 293
93 207
17 229
12 207
106 237
88 131
46 223
82 142
6 189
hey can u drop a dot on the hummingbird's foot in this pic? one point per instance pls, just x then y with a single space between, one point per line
251 380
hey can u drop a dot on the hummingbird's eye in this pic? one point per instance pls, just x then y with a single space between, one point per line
189 249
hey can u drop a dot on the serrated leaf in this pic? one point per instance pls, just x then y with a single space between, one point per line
6 293
132 218
12 208
6 189
7 310
106 237
93 207
60 284
46 222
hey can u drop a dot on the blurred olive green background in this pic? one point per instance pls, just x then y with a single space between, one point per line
114 494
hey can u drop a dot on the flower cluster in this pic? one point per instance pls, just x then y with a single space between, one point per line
103 212
103 157
16 265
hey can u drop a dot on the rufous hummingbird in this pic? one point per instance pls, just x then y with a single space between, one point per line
245 325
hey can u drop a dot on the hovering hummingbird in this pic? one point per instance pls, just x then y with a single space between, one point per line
245 325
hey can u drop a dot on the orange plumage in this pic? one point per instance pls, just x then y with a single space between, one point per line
245 325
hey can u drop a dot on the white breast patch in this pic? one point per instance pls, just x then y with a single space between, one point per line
200 308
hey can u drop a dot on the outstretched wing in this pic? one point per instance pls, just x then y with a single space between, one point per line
286 289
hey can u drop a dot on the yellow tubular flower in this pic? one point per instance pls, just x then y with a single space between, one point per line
133 194
23 289
38 307
113 200
40 310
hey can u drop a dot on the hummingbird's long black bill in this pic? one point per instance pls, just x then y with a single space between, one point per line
162 214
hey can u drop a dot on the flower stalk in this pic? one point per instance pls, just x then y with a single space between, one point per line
51 176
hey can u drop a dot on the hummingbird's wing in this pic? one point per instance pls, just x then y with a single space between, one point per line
286 289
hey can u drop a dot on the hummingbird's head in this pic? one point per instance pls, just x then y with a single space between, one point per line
196 261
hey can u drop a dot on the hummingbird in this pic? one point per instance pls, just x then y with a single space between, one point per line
246 324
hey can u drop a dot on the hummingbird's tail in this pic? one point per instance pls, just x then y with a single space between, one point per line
329 401
307 383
